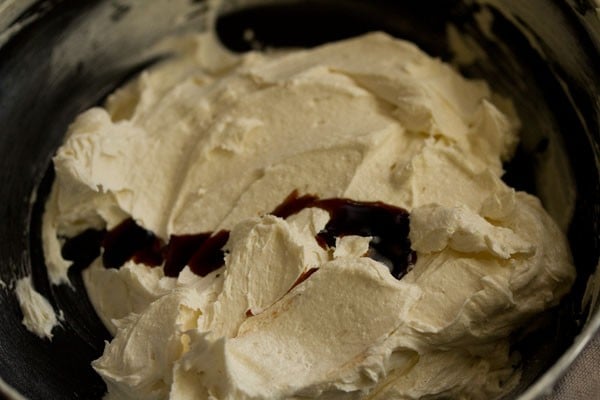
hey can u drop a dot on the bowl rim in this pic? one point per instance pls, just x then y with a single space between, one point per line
547 382
9 392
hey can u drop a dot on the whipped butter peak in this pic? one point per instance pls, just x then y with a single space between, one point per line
199 144
38 314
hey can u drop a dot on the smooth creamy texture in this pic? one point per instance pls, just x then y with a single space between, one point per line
38 315
211 141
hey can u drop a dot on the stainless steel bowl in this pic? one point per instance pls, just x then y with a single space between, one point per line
58 58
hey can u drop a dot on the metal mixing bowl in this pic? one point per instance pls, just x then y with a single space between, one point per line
58 58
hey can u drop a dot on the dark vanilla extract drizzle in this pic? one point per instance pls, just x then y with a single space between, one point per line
386 224
203 252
